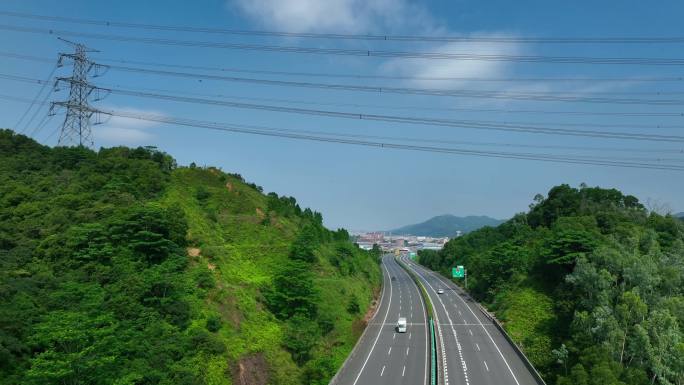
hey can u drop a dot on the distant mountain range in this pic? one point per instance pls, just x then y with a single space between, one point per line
447 225
679 215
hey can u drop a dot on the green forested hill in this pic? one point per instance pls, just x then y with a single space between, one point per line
588 282
117 267
447 225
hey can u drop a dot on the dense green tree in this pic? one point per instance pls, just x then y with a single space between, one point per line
97 286
613 270
293 291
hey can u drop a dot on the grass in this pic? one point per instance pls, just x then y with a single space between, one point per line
226 222
527 315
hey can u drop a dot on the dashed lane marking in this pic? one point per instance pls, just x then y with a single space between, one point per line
378 336
483 328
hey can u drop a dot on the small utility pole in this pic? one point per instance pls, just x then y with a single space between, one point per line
76 129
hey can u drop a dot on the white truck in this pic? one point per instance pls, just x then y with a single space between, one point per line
401 325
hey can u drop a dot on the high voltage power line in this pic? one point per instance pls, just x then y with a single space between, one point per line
373 106
643 61
639 79
460 142
374 37
467 93
35 100
419 108
474 124
404 119
352 139
399 77
375 89
77 106
446 150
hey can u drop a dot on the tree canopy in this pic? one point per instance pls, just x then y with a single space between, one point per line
588 282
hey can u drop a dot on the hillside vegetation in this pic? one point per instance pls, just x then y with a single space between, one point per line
447 225
118 267
588 282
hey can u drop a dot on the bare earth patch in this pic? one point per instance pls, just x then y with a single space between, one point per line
251 370
260 213
193 251
229 186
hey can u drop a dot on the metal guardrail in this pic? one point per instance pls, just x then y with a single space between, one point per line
528 364
433 354
516 348
429 310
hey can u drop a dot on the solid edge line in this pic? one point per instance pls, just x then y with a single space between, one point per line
436 319
437 275
358 342
422 306
380 331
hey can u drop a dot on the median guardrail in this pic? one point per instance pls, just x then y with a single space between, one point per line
430 315
433 354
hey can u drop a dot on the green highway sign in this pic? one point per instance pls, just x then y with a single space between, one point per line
458 272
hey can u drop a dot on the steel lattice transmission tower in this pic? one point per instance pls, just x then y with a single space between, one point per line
76 129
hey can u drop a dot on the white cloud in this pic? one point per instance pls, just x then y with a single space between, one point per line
381 16
423 69
335 16
407 17
126 131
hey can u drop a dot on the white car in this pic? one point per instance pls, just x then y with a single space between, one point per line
440 291
401 325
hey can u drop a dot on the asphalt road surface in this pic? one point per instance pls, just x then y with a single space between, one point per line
383 356
474 351
471 350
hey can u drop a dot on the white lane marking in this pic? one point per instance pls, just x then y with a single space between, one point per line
486 332
403 370
389 351
453 331
470 331
427 344
382 371
478 346
379 332
486 367
459 313
445 368
394 335
407 349
464 321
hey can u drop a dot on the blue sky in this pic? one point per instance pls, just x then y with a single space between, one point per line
365 188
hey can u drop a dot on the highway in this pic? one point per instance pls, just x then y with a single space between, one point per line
473 351
383 356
